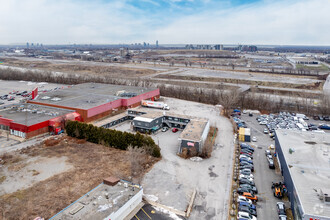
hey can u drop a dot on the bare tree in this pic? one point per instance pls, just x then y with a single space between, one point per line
228 100
137 159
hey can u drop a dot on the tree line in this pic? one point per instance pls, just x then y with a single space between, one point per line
227 98
112 138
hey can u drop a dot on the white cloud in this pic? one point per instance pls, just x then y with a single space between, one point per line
283 22
61 21
74 21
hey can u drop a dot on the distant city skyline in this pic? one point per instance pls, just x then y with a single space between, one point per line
259 22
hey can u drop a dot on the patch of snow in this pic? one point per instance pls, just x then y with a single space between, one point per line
171 214
151 197
104 207
196 159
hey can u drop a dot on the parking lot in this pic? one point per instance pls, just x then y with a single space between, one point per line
263 175
7 87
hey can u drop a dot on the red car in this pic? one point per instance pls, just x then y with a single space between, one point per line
174 130
11 98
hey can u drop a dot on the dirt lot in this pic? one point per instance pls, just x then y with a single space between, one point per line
289 83
81 68
42 180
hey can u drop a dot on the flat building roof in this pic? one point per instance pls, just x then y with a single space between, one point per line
194 130
154 113
89 95
30 114
309 166
100 202
107 120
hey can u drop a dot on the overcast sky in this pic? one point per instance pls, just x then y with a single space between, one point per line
281 22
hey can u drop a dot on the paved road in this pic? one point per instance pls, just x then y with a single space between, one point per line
326 86
266 206
7 143
6 148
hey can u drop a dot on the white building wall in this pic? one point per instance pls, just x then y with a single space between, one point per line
127 207
205 133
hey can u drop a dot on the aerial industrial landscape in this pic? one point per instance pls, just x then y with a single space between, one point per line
165 129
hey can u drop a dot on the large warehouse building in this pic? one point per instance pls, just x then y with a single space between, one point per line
95 100
29 120
84 102
304 160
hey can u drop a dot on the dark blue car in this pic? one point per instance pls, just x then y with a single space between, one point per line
325 127
245 159
246 146
247 205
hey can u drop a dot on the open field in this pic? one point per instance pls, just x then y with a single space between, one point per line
320 67
282 84
80 68
42 180
181 77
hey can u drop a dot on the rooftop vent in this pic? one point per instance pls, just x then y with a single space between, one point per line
111 181
45 98
324 196
56 99
128 94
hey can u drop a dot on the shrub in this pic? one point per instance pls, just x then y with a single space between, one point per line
111 138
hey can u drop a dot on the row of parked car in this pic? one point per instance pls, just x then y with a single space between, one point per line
247 189
11 95
270 159
321 117
272 120
7 97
